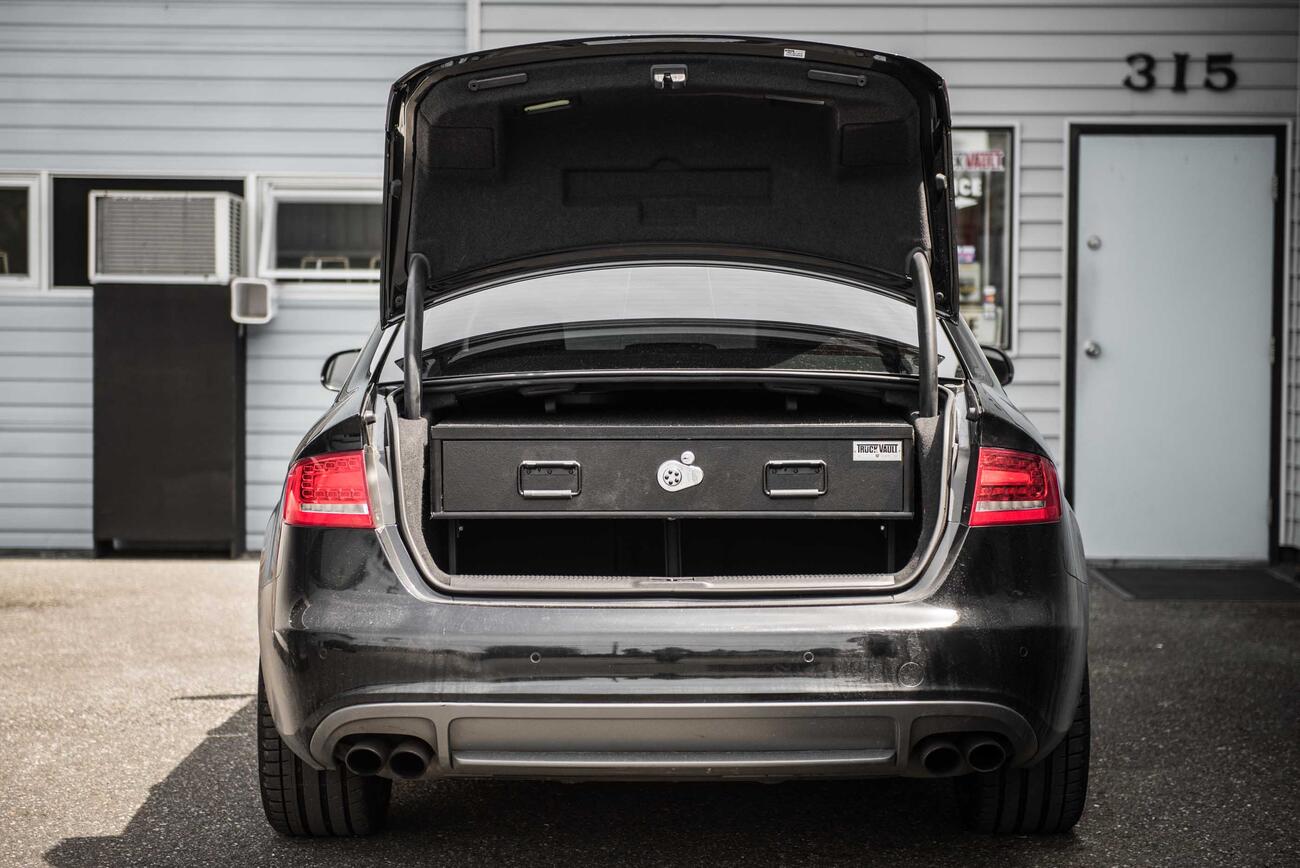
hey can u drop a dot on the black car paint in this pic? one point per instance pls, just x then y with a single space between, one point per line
337 626
1005 621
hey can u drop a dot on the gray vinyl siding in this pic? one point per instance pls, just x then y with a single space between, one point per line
228 87
1290 530
209 85
295 86
285 397
45 422
1035 63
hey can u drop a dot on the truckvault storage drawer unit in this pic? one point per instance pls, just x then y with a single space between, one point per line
847 469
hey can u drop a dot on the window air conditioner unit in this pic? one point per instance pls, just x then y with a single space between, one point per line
147 236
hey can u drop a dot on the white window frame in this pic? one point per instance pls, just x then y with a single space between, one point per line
35 220
273 191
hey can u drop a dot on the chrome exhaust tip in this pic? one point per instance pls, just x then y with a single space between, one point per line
366 756
410 759
940 757
984 753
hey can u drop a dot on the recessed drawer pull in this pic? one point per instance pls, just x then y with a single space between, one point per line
799 478
550 479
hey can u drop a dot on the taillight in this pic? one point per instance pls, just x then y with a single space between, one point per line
1014 488
328 491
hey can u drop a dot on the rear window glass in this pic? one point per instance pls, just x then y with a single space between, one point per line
671 316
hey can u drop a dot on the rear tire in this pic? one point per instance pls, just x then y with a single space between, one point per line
1044 799
302 802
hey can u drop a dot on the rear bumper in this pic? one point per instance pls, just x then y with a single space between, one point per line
670 687
679 740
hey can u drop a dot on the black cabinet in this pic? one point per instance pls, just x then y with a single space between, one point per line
169 419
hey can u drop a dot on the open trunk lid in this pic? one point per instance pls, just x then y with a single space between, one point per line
561 154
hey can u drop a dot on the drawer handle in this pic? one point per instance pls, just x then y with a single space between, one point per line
550 479
810 470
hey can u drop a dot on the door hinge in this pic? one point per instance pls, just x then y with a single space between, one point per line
1272 350
1272 187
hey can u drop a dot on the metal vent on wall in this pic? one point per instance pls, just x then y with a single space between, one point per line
164 237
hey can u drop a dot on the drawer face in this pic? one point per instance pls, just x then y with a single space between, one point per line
677 476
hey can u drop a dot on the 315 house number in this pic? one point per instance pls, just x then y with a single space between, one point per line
1219 74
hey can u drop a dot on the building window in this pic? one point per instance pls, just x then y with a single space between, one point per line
19 228
320 232
984 163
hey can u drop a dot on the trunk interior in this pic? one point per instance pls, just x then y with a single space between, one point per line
665 547
573 488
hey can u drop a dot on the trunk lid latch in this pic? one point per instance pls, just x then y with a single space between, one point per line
668 76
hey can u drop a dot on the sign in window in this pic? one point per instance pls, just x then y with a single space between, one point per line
982 192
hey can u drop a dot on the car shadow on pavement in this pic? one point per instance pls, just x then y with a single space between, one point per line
207 812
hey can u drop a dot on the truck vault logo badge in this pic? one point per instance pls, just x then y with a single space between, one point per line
877 450
674 475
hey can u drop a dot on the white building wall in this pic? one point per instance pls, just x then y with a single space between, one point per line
1035 63
227 86
285 397
1289 533
45 418
214 87
291 86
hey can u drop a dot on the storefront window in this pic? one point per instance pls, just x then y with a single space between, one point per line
321 234
983 196
15 232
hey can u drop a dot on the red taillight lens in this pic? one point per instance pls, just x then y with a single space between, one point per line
1014 488
328 491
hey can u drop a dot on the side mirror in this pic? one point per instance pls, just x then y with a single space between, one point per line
334 373
1000 362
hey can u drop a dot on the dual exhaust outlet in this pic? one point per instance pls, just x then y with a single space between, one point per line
940 756
943 756
408 759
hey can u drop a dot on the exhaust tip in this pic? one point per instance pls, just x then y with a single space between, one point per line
984 753
940 757
366 756
410 759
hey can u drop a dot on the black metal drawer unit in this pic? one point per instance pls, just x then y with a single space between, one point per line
857 469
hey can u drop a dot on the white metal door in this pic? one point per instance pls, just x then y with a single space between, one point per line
1174 300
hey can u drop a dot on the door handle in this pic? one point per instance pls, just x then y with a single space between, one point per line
1092 349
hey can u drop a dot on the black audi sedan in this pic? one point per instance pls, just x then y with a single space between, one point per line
670 457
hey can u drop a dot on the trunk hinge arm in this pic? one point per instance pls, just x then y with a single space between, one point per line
927 373
417 270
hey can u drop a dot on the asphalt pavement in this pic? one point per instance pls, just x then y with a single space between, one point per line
126 738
